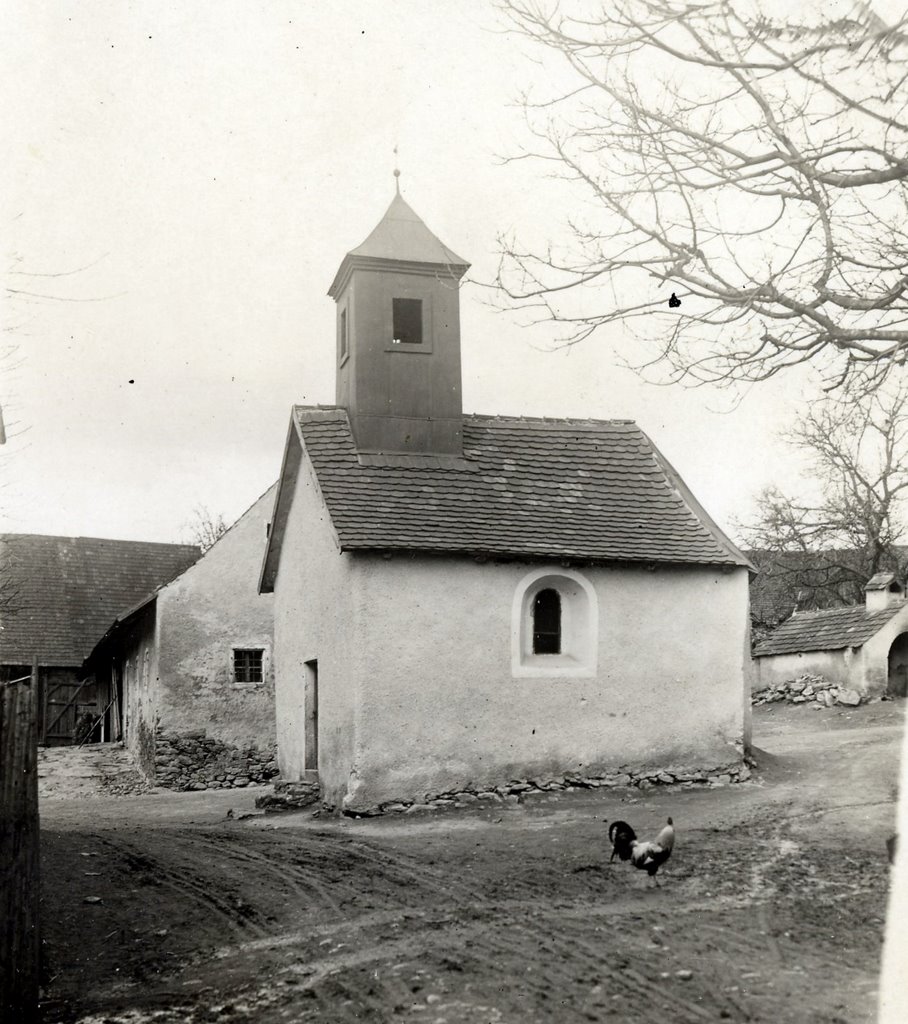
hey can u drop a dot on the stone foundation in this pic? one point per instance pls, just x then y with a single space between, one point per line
518 790
194 760
290 796
296 795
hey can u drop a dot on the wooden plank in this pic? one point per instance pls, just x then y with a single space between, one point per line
19 869
44 696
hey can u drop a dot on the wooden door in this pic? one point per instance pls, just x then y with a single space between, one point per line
310 715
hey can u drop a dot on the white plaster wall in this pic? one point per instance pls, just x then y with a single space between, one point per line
875 677
138 699
213 607
315 620
842 667
440 708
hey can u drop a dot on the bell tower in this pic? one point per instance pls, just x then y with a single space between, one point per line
398 338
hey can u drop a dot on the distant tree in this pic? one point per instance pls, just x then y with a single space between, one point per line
820 551
753 164
205 528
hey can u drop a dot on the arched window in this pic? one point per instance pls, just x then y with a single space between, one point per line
547 622
554 625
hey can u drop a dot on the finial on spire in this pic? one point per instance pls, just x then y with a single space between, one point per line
396 172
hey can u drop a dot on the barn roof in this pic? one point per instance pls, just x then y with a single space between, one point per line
828 630
590 490
65 591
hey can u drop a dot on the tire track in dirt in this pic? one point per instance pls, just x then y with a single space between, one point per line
564 946
584 961
282 873
414 874
303 859
239 916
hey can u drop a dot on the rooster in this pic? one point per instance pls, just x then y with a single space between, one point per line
646 856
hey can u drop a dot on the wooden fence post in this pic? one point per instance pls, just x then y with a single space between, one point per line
19 875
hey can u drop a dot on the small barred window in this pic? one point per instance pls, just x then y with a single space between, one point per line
247 665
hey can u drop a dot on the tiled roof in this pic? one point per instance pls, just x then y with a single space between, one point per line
65 591
828 630
584 489
881 581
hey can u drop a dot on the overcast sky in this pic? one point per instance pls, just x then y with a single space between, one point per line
183 182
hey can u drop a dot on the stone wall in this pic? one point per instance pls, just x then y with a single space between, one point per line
519 790
294 795
194 760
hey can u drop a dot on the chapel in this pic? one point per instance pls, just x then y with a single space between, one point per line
461 599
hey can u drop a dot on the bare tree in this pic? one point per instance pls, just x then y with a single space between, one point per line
754 167
205 528
820 551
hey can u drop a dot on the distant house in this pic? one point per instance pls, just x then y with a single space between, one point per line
57 597
189 667
863 647
461 600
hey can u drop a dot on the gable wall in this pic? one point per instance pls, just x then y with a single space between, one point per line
441 709
204 614
315 619
876 653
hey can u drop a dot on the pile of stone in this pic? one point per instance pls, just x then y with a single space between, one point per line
196 761
807 689
289 796
518 791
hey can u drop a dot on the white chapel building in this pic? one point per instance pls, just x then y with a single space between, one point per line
461 600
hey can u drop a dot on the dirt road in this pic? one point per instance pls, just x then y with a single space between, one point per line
771 908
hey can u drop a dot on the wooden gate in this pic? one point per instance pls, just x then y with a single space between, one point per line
63 699
19 875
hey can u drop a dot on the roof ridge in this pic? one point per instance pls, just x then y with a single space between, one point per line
818 612
106 540
551 420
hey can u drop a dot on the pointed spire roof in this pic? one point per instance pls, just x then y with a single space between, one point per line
400 237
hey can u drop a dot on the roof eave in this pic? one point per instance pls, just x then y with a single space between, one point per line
534 556
737 555
123 619
282 498
351 262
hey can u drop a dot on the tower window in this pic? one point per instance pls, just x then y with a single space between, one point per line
407 327
343 335
247 665
547 622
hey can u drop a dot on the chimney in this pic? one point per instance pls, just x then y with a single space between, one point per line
882 591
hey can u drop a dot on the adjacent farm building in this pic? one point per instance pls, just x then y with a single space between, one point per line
464 599
57 597
189 667
863 647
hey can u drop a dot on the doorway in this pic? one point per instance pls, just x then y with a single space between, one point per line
898 667
310 716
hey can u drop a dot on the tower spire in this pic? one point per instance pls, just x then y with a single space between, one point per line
396 171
